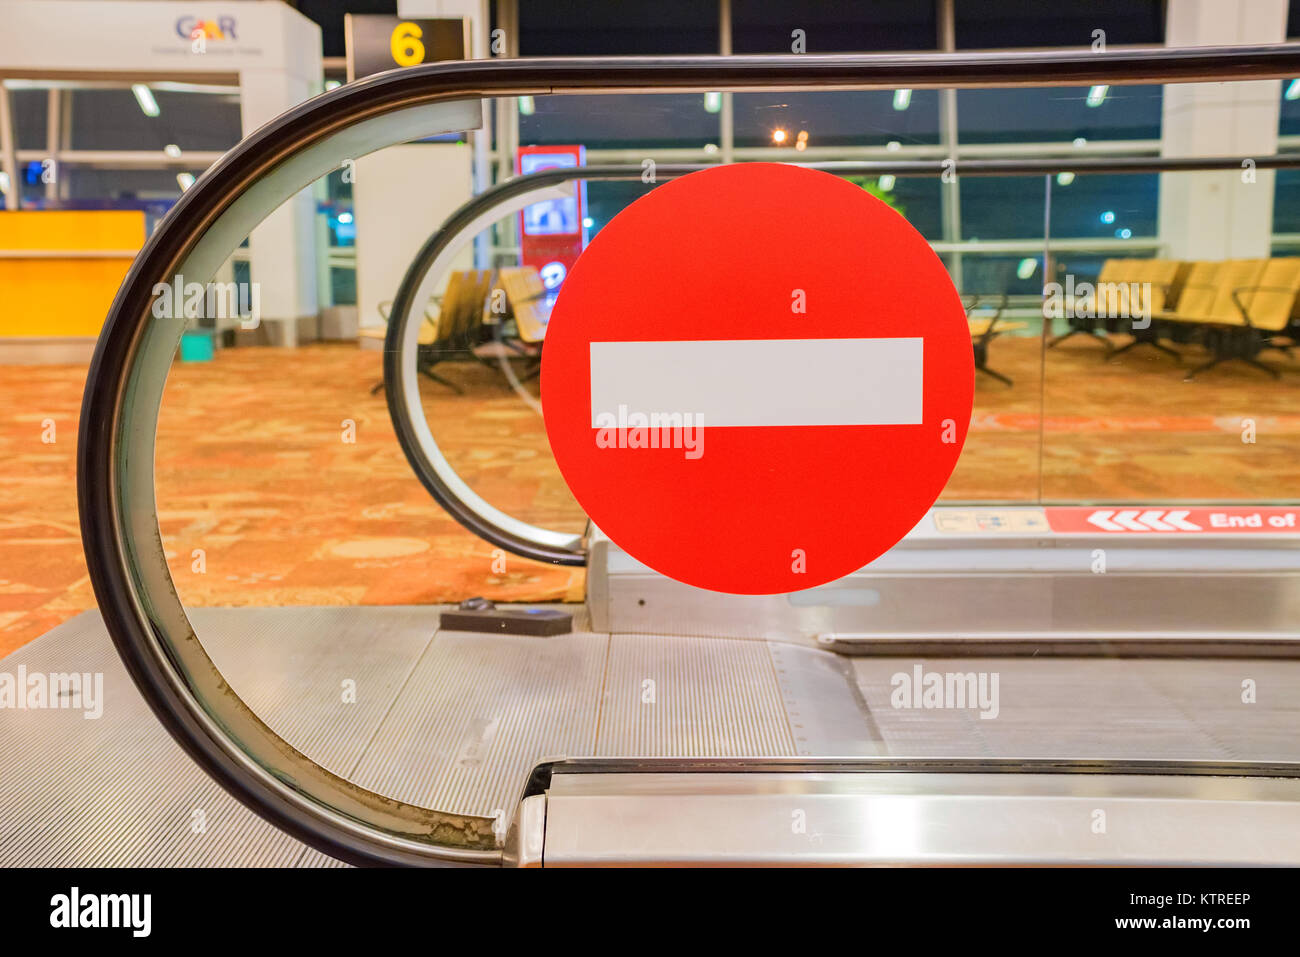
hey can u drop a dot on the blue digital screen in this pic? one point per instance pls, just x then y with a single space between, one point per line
552 217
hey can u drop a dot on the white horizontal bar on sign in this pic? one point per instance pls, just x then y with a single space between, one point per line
757 382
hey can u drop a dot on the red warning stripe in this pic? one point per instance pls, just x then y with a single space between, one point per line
1175 519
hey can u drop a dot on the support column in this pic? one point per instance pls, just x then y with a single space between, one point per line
950 193
507 231
1220 214
727 115
476 14
65 137
52 145
282 247
9 151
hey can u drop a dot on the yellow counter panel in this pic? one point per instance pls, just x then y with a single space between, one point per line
59 269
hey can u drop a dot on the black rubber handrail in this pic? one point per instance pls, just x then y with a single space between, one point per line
123 550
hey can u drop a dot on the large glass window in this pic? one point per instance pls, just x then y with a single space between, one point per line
595 28
1098 206
1059 115
154 117
998 24
851 118
119 144
617 122
31 116
765 26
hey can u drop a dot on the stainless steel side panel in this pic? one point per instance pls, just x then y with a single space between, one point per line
802 819
1027 587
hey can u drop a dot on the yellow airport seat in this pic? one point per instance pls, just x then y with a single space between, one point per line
980 327
526 295
1271 302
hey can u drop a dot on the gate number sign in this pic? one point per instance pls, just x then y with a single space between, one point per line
376 42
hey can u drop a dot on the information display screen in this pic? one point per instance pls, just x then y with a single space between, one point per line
553 217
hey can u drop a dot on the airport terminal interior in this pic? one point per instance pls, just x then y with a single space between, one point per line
307 557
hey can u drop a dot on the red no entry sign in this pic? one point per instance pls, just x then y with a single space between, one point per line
757 378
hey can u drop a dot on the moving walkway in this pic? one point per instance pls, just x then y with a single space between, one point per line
680 726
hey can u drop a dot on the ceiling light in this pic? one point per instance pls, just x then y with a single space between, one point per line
144 96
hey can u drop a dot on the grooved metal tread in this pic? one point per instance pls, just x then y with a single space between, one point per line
455 720
113 791
1101 708
376 694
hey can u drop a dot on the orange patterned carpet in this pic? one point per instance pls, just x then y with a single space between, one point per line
262 501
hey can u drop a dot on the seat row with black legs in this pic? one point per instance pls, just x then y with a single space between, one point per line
456 323
1236 309
984 316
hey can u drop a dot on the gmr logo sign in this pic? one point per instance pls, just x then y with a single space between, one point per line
221 28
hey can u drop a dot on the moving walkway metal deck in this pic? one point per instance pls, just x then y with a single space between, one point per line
457 721
670 727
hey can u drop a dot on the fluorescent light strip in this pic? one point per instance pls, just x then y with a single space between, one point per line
144 96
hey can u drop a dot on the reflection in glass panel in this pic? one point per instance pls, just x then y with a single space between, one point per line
765 26
997 24
918 198
1100 205
850 118
615 121
1170 374
155 117
1286 203
575 28
999 207
1064 115
31 115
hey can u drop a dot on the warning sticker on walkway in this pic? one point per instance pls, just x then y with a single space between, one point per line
972 521
1202 519
757 378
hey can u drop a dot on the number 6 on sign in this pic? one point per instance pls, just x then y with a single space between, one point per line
710 431
405 44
